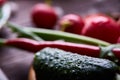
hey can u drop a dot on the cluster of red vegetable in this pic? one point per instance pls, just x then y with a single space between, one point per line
98 26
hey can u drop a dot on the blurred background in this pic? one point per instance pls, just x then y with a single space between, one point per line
15 62
82 7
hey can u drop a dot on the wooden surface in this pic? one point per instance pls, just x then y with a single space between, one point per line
15 62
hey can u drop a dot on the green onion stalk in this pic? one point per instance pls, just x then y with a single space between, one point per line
5 13
51 35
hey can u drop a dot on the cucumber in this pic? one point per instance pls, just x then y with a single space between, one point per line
56 64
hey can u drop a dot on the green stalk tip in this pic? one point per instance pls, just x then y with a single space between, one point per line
2 42
49 2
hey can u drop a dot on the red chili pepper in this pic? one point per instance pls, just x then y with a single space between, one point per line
23 43
34 46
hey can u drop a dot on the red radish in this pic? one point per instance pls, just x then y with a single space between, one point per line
118 41
44 16
71 23
2 2
118 22
101 27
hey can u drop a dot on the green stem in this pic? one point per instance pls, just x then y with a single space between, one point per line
65 24
5 14
2 42
20 30
1 13
48 34
106 52
49 2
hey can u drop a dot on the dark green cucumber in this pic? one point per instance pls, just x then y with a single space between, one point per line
56 64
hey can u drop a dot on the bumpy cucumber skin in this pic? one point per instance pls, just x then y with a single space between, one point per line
56 64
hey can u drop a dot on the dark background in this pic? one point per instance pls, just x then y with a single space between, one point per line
15 62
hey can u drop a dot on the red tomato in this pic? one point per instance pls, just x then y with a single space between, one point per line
101 27
44 16
72 23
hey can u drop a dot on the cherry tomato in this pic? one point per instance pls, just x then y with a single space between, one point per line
44 16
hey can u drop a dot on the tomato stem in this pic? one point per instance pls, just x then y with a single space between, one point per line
49 2
65 24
